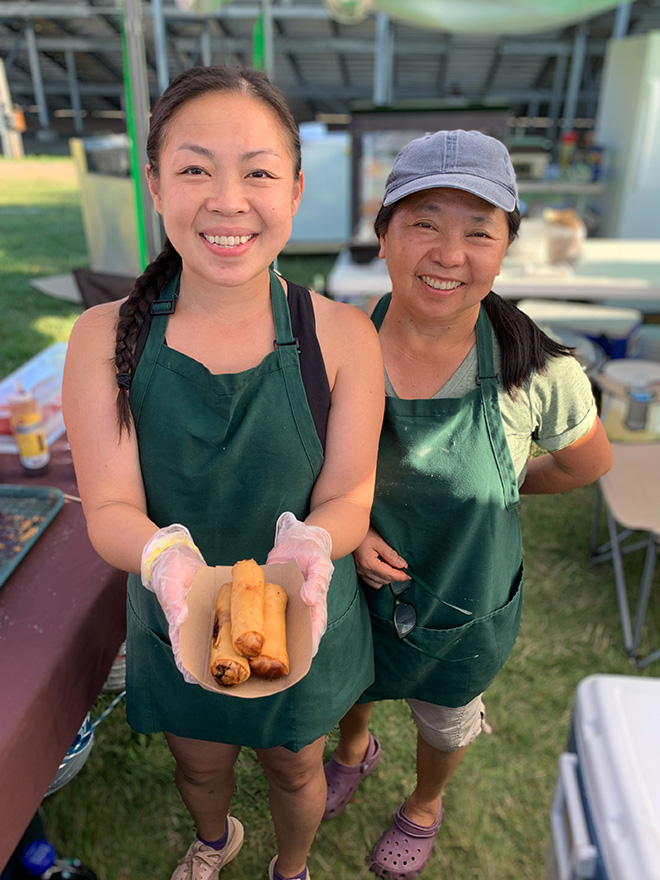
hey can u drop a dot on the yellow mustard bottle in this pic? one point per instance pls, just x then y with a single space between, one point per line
28 430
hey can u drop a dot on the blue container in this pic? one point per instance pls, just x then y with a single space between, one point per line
40 860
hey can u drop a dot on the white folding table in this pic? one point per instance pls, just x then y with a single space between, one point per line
609 271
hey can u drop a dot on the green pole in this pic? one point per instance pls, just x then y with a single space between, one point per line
258 44
135 160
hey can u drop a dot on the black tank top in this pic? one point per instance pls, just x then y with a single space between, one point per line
312 366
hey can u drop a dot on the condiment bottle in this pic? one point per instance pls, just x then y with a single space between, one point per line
28 430
567 148
639 399
40 860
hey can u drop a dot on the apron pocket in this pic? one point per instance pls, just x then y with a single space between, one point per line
487 641
145 607
151 673
342 590
448 667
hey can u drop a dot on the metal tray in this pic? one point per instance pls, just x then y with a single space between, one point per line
25 511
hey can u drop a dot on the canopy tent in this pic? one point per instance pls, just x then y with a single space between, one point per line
489 16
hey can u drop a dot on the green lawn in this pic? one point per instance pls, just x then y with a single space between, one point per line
122 814
41 234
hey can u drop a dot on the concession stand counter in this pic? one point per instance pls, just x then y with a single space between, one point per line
62 620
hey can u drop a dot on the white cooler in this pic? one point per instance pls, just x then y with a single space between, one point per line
608 326
605 817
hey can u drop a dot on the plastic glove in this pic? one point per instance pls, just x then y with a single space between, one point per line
310 548
170 561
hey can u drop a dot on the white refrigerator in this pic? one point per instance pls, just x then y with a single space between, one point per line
628 128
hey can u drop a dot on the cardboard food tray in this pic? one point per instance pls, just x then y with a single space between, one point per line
196 634
25 511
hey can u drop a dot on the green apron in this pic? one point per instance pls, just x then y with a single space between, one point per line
446 499
225 455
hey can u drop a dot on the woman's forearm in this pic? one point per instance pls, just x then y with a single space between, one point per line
545 477
579 464
118 532
346 522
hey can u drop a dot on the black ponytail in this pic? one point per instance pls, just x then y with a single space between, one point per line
524 347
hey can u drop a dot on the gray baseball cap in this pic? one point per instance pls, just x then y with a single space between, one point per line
467 160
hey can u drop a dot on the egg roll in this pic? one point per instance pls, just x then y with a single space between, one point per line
227 667
273 662
247 608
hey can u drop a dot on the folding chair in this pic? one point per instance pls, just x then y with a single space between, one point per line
630 493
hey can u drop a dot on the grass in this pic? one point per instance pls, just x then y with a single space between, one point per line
41 234
122 815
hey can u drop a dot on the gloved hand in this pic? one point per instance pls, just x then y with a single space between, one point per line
170 561
310 548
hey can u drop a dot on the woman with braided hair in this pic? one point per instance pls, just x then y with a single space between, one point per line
221 413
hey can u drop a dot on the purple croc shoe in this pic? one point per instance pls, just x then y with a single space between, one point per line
343 780
405 849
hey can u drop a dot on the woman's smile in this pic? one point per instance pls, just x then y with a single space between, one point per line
225 243
438 284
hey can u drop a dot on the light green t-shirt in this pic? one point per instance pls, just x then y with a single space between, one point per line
554 408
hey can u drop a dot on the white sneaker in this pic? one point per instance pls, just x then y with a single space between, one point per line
271 870
202 862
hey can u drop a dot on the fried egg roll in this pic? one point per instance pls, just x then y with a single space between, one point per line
273 662
227 667
247 608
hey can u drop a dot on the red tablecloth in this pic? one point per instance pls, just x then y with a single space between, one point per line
62 620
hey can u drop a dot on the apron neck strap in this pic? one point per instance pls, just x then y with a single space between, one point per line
281 315
381 308
162 307
165 304
483 330
488 381
486 369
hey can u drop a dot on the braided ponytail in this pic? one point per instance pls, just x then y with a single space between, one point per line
132 314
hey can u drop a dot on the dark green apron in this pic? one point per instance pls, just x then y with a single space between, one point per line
446 499
225 455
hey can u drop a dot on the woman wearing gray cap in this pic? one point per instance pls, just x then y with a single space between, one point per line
471 382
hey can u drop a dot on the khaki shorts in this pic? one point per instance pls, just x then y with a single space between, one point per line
448 729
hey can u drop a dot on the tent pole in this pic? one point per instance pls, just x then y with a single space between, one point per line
37 83
137 119
575 77
383 62
74 90
160 41
622 21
